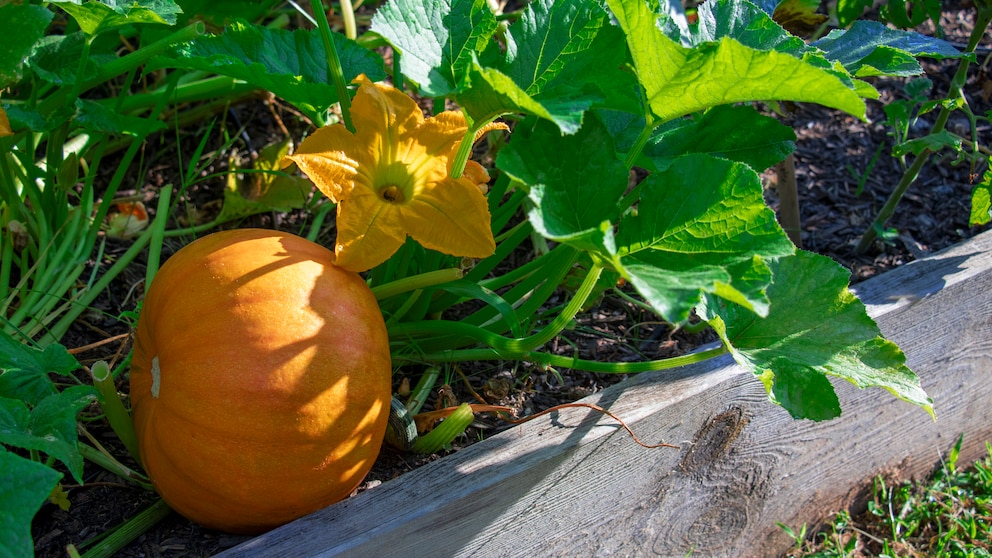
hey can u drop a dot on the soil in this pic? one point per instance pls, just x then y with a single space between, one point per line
834 153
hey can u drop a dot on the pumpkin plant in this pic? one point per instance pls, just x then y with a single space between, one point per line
260 382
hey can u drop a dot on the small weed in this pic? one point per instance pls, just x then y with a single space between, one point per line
947 515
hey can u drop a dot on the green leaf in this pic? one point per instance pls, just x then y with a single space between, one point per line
97 17
929 142
24 370
746 23
437 39
816 327
31 22
549 36
850 10
290 64
24 487
50 427
702 226
855 48
568 58
269 189
981 201
573 197
738 133
96 117
491 93
680 81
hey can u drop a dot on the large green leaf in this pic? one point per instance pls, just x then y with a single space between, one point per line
549 36
573 197
738 133
24 370
701 226
748 24
490 93
291 64
815 328
50 427
568 58
97 17
437 39
30 22
24 487
856 48
679 80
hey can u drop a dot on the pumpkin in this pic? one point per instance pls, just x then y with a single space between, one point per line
260 382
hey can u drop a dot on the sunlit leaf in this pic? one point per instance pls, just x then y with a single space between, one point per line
981 201
746 23
815 328
679 80
97 17
437 39
702 226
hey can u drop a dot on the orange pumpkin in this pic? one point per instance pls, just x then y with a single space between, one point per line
260 382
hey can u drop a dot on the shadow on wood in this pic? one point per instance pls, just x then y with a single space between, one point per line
575 484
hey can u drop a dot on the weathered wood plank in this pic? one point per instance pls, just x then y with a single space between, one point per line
576 485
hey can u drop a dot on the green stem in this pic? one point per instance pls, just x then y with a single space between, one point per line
118 417
333 63
560 361
461 330
158 235
128 531
982 21
423 388
90 295
415 282
107 462
348 15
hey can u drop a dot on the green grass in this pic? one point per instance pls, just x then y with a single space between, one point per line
947 515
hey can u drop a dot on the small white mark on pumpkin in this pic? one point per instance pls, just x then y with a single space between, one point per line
156 377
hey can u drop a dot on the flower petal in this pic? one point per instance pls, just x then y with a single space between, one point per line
452 216
385 114
329 159
370 230
441 134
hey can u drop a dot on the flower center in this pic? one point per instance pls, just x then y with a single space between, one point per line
392 194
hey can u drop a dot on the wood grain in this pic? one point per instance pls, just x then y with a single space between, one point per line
574 484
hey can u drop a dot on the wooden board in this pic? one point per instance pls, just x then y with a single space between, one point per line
574 484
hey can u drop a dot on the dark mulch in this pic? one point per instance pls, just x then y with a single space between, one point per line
833 153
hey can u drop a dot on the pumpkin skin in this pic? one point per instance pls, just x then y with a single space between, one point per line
260 381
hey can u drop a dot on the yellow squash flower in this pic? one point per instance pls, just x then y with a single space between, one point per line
391 179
